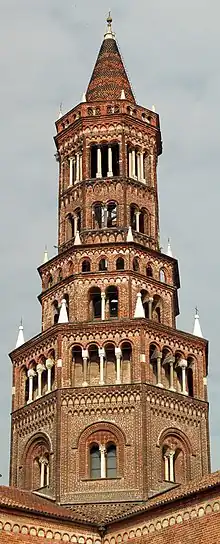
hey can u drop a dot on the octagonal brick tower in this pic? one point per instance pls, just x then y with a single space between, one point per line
109 400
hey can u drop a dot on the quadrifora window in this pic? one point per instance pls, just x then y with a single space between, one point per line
104 160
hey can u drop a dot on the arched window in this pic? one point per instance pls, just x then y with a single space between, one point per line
94 365
37 464
59 275
98 216
136 266
189 376
95 463
126 357
110 363
112 301
86 265
95 303
111 461
66 296
162 275
157 308
174 463
78 219
70 227
77 366
143 221
120 264
133 213
103 265
50 281
111 214
149 271
145 302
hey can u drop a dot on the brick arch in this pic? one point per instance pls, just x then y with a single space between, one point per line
39 444
178 441
102 432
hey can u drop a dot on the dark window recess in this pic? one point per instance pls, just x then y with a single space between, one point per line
95 301
98 216
103 265
111 462
190 381
95 463
112 297
115 160
86 266
55 311
120 264
111 214
93 161
104 153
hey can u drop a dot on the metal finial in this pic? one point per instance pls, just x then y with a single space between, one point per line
197 311
109 33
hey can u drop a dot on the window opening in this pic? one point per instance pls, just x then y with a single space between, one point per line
95 463
111 462
120 264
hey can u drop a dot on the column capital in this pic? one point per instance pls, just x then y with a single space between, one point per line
85 354
118 352
31 373
102 448
103 295
159 355
101 352
49 363
40 368
182 363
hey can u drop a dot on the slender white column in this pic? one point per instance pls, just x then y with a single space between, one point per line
105 216
101 374
99 163
49 365
102 450
42 471
110 172
85 356
71 172
31 374
138 166
40 369
130 163
171 363
137 220
103 306
80 166
159 357
166 468
150 304
133 164
183 366
48 474
118 364
77 166
171 459
75 223
142 166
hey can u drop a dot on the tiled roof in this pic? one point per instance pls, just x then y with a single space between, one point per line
109 77
97 514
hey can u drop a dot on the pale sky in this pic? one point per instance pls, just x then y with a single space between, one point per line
47 52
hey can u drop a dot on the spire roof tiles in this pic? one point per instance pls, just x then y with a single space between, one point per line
109 76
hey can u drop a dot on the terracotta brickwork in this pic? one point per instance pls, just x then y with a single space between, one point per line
109 401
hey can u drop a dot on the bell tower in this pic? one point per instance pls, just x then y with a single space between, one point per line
109 401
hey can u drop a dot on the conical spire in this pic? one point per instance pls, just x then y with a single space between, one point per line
20 338
109 76
197 331
139 309
63 317
77 241
169 250
130 235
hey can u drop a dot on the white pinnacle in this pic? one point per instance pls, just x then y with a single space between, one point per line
139 309
122 97
84 97
77 241
46 259
20 338
60 111
169 250
130 235
153 108
63 317
197 331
